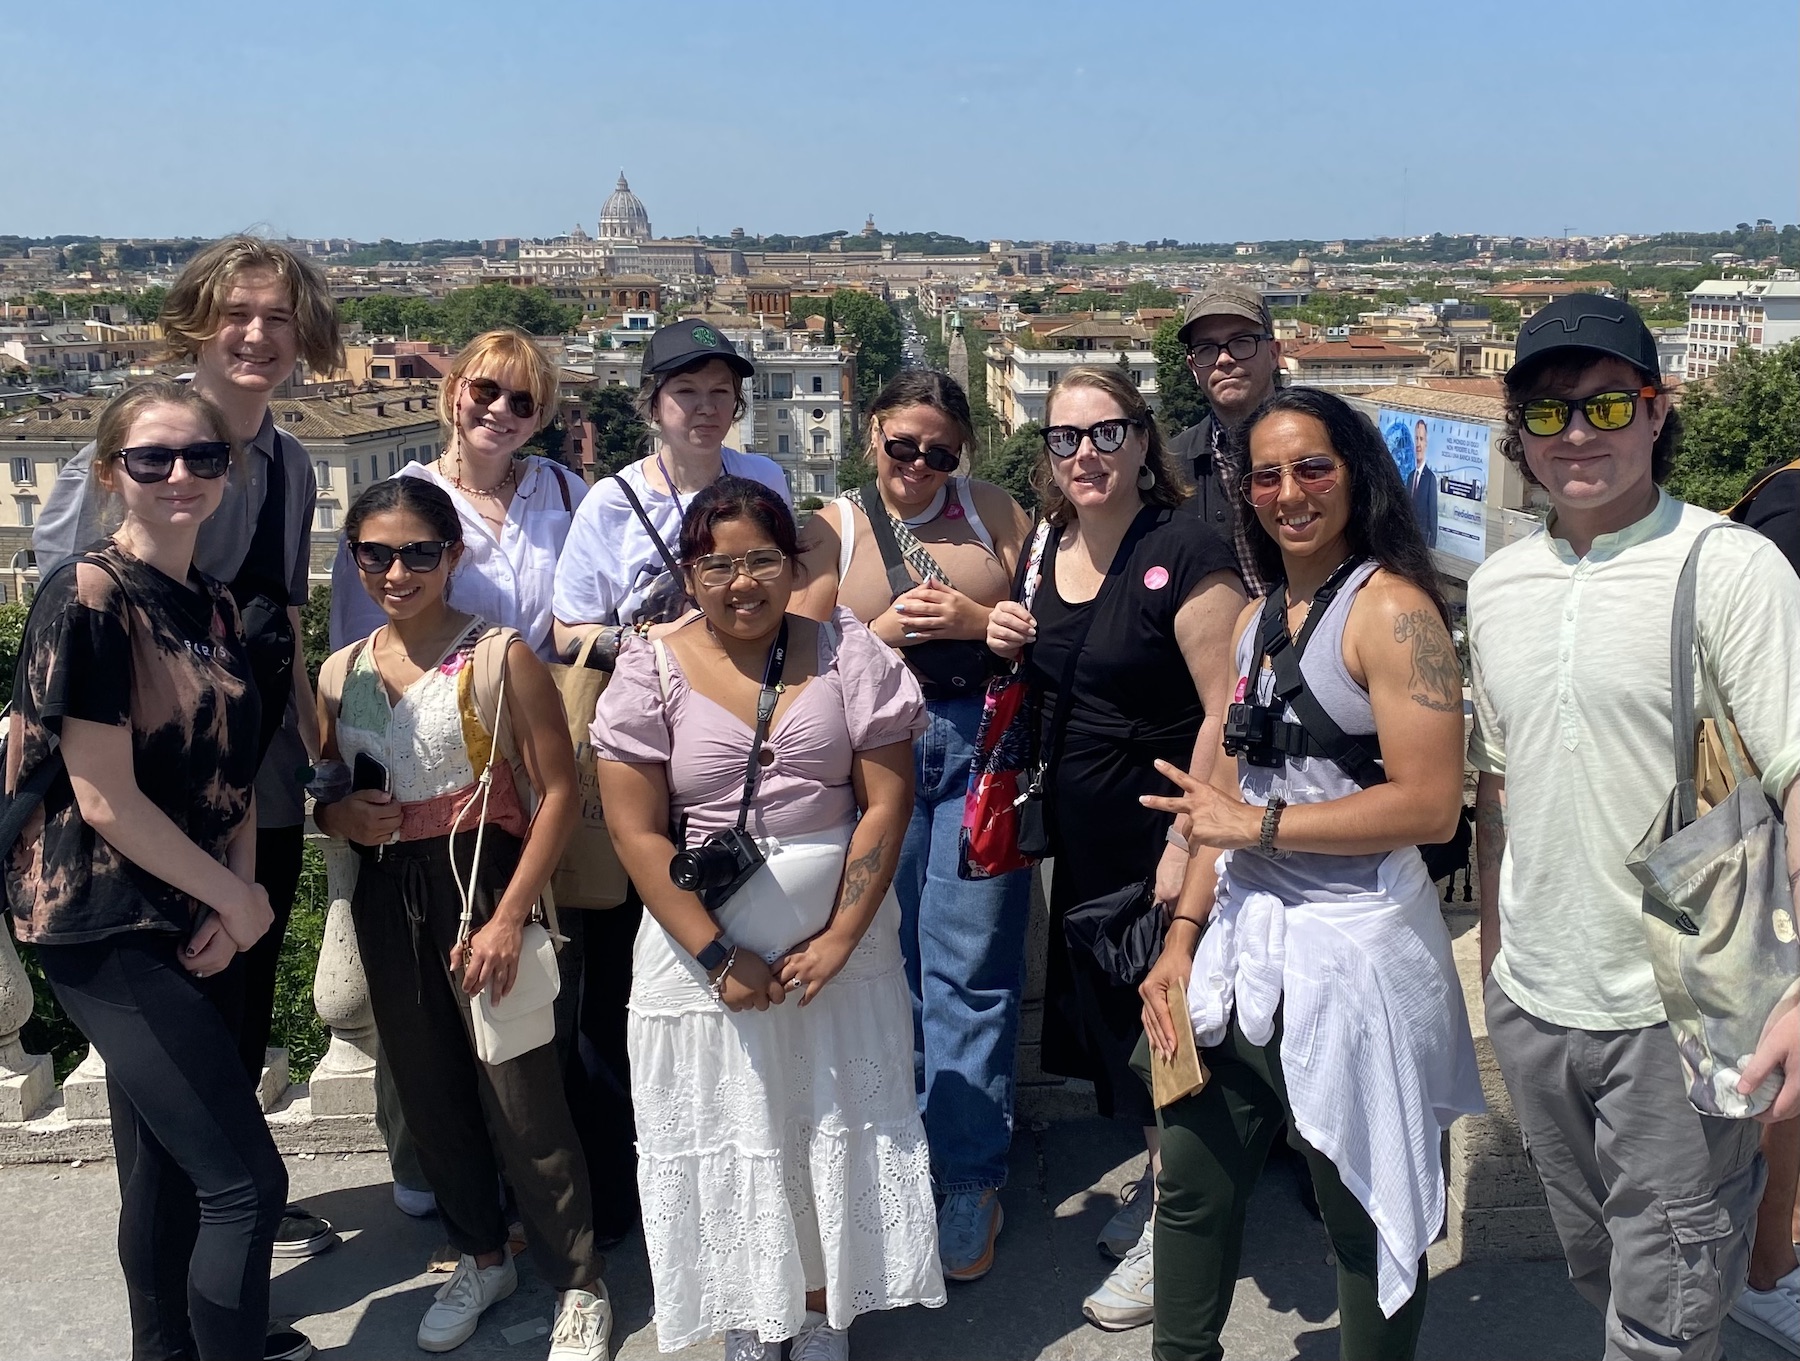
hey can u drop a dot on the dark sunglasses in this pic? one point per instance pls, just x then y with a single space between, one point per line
1106 436
1604 411
154 462
423 556
937 458
1206 353
1317 473
485 392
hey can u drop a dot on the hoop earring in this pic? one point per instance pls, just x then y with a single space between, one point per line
1146 477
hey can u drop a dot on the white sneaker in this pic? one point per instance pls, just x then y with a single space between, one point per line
583 1325
1773 1313
817 1340
742 1344
462 1299
1127 1297
1124 1229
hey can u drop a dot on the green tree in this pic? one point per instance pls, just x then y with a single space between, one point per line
315 630
830 336
1011 465
147 305
880 343
620 435
467 312
1181 403
550 442
1745 417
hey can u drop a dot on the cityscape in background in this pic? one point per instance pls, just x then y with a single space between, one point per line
1416 331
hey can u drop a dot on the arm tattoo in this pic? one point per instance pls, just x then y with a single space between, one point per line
1436 679
860 874
1490 833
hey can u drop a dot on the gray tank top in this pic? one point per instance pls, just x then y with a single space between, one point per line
1300 876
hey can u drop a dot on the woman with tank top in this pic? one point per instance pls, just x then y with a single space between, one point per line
1311 953
954 543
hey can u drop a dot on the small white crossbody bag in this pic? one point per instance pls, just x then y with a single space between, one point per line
525 1018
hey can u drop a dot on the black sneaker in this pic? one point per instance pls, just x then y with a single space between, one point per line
286 1344
303 1234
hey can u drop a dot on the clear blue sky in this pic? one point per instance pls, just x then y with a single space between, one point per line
1047 119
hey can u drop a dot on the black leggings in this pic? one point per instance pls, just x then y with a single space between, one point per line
185 1121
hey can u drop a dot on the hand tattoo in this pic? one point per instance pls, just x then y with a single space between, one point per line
1436 679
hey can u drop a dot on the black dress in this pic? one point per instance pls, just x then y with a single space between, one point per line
1132 701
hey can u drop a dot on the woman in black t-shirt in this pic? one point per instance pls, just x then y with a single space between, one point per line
1145 599
135 877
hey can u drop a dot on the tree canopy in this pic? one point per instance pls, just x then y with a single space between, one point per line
880 343
620 436
1181 401
463 314
1739 421
1010 466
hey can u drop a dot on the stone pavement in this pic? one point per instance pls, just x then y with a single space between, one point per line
362 1301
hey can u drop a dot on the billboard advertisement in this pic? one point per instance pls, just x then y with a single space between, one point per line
1444 464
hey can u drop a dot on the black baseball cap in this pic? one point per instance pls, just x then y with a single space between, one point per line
1587 321
688 342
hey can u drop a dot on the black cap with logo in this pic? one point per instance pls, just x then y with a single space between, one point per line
1588 321
691 342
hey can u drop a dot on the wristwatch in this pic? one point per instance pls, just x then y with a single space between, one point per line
1270 823
713 955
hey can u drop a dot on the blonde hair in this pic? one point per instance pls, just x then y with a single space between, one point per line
504 350
1168 488
192 313
121 413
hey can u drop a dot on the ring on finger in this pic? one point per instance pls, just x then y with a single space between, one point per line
793 983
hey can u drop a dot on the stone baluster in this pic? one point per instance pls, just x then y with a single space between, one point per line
26 1080
344 1081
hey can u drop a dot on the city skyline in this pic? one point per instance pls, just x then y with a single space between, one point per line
986 122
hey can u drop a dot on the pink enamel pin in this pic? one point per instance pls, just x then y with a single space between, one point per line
1156 578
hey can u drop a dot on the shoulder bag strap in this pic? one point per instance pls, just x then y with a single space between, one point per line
1685 662
893 558
490 688
562 486
637 507
765 713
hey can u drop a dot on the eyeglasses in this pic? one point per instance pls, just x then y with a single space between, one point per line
154 462
1315 473
1604 411
485 392
937 457
1206 353
1106 436
423 556
720 569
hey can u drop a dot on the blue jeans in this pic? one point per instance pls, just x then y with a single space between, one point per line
964 942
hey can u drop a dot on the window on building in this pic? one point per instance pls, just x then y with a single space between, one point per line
1137 378
22 470
322 473
818 413
380 371
781 444
818 441
781 385
781 415
356 472
324 517
818 383
1050 378
27 511
409 456
393 460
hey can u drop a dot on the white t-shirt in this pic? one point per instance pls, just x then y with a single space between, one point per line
1572 707
505 580
610 561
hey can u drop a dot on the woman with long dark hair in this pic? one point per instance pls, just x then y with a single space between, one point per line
1311 955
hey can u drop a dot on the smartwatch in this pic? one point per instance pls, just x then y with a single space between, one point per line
715 954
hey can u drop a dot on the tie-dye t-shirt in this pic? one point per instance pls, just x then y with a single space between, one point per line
168 660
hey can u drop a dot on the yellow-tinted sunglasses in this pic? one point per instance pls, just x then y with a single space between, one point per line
1604 411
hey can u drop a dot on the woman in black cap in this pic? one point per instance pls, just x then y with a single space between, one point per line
616 574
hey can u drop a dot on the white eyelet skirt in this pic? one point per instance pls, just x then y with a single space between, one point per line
780 1151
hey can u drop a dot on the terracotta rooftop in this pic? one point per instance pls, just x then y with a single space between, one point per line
1355 350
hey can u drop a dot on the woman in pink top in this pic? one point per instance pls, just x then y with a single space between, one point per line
782 1165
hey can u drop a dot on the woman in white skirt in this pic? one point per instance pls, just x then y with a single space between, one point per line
783 1169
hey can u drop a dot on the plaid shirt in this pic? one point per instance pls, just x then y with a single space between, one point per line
1230 473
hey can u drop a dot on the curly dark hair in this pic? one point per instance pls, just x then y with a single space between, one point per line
926 387
1382 525
1526 381
737 498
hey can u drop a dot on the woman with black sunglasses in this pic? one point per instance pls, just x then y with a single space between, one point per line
134 878
1129 652
404 705
956 544
516 508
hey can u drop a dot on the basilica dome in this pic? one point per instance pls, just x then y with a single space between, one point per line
623 217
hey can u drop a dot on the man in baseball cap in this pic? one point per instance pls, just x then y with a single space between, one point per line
1234 357
1652 1184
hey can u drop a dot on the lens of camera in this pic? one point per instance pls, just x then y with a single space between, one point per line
705 866
685 870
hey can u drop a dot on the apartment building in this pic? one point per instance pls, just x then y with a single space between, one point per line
1357 361
1724 314
1024 364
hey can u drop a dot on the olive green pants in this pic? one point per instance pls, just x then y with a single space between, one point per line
1214 1144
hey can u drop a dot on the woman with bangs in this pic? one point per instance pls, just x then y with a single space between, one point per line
1317 976
516 509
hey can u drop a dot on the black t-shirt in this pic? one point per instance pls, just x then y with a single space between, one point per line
128 646
1131 683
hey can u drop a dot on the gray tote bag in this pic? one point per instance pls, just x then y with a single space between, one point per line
1718 911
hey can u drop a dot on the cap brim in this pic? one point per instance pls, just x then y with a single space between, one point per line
739 365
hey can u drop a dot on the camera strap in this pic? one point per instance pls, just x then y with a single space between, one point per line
765 711
1319 734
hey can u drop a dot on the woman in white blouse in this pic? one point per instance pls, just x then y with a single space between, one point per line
516 511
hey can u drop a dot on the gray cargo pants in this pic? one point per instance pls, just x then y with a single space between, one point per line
1655 1203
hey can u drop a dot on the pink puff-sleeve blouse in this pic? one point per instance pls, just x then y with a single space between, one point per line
862 697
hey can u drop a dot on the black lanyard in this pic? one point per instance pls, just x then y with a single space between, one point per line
765 711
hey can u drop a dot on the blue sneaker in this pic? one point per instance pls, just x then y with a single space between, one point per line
968 1224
